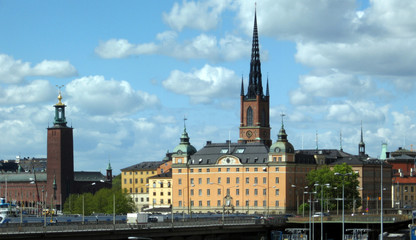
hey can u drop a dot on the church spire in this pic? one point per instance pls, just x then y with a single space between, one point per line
361 145
255 83
242 86
60 120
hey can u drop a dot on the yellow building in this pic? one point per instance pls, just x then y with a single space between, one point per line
135 182
160 192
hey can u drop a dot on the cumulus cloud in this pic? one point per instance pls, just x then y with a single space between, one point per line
201 47
35 91
201 15
96 95
14 71
204 85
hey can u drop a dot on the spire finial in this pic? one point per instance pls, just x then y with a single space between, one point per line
59 95
184 122
282 115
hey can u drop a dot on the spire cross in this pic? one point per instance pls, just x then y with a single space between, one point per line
59 87
184 122
282 115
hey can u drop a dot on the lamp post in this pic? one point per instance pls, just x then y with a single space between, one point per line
303 202
322 200
343 200
297 197
310 210
183 200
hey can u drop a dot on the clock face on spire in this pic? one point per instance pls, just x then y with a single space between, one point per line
249 134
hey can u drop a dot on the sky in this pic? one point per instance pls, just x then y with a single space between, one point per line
133 70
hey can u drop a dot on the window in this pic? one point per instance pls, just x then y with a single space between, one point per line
141 180
192 181
200 192
154 184
131 190
255 191
280 159
274 159
264 203
247 180
180 181
237 203
154 193
237 169
219 191
277 169
192 203
247 169
161 193
219 169
180 192
228 180
161 184
200 203
264 180
136 180
264 192
199 170
208 170
277 203
169 202
219 180
168 193
125 173
125 181
136 190
249 116
179 170
239 150
255 203
277 180
247 192
247 203
130 181
256 169
224 150
199 180
208 203
169 184
277 192
192 170
192 192
180 203
208 181
208 192
228 191
255 180
219 203
228 169
237 180
237 191
141 190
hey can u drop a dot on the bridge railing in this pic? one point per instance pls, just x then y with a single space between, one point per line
17 229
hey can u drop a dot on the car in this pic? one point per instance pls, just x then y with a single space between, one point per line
319 214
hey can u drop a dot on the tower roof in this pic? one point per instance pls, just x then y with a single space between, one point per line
255 86
184 146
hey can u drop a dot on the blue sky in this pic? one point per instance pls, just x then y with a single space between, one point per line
133 69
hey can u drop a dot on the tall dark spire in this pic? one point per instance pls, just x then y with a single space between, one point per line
361 145
267 86
242 86
255 86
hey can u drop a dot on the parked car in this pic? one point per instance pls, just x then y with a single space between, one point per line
319 214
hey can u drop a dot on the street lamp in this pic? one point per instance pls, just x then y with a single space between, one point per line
343 199
183 201
322 200
297 197
310 210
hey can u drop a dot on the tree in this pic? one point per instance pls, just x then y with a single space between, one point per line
325 175
100 202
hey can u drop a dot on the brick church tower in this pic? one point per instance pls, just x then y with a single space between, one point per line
254 123
60 158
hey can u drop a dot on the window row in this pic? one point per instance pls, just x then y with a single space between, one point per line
255 192
254 180
255 203
237 169
141 172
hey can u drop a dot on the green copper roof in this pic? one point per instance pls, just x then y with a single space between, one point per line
184 147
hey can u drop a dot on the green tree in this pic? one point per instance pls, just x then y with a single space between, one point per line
100 202
324 175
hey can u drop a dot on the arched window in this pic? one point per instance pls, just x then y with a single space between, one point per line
249 116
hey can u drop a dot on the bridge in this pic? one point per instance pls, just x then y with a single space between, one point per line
248 228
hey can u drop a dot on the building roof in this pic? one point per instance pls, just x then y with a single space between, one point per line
144 166
248 153
163 175
89 176
26 177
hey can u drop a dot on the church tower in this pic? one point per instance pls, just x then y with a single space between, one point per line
254 116
60 158
361 145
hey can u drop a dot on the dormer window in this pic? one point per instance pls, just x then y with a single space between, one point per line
239 150
224 150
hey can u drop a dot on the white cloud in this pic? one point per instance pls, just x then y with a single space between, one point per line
121 48
96 95
35 91
204 85
14 71
202 46
201 15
